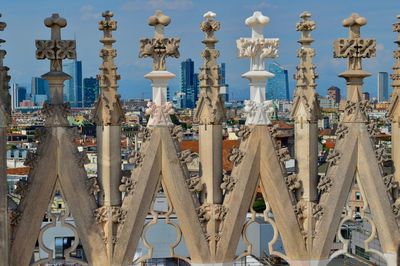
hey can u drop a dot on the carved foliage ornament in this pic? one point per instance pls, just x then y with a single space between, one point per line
195 184
92 186
159 50
236 156
228 182
243 133
324 184
128 185
292 182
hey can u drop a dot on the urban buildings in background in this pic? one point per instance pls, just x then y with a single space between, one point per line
189 87
334 94
278 86
188 92
383 87
224 89
90 91
18 95
332 100
39 91
73 92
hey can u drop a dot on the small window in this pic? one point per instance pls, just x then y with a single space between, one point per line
358 195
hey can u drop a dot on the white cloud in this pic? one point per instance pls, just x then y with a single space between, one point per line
88 12
261 5
158 4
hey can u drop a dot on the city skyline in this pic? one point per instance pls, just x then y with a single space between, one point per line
83 27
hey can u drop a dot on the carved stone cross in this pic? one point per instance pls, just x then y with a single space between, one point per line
55 49
257 48
159 48
354 47
107 25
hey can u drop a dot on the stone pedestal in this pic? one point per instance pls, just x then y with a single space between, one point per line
257 107
159 109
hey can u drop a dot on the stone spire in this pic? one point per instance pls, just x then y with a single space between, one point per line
396 77
56 50
159 48
108 109
108 116
5 100
210 108
394 108
257 48
5 118
305 75
354 48
305 114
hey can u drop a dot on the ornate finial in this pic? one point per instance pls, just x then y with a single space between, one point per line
107 26
257 48
108 110
5 99
393 112
210 108
159 21
305 75
257 23
55 49
159 48
396 54
354 48
305 26
209 26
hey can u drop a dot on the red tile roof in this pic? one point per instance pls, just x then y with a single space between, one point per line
18 171
227 146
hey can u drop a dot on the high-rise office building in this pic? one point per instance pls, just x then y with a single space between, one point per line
90 91
224 87
73 92
383 87
39 90
278 86
334 94
189 84
18 94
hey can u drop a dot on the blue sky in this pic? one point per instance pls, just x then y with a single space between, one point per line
25 24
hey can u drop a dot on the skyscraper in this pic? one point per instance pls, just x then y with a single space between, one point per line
18 94
73 92
39 90
383 86
334 94
189 84
90 91
278 86
224 88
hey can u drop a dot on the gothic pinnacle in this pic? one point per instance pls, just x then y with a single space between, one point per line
209 108
5 101
257 48
305 73
159 47
108 110
354 48
56 50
